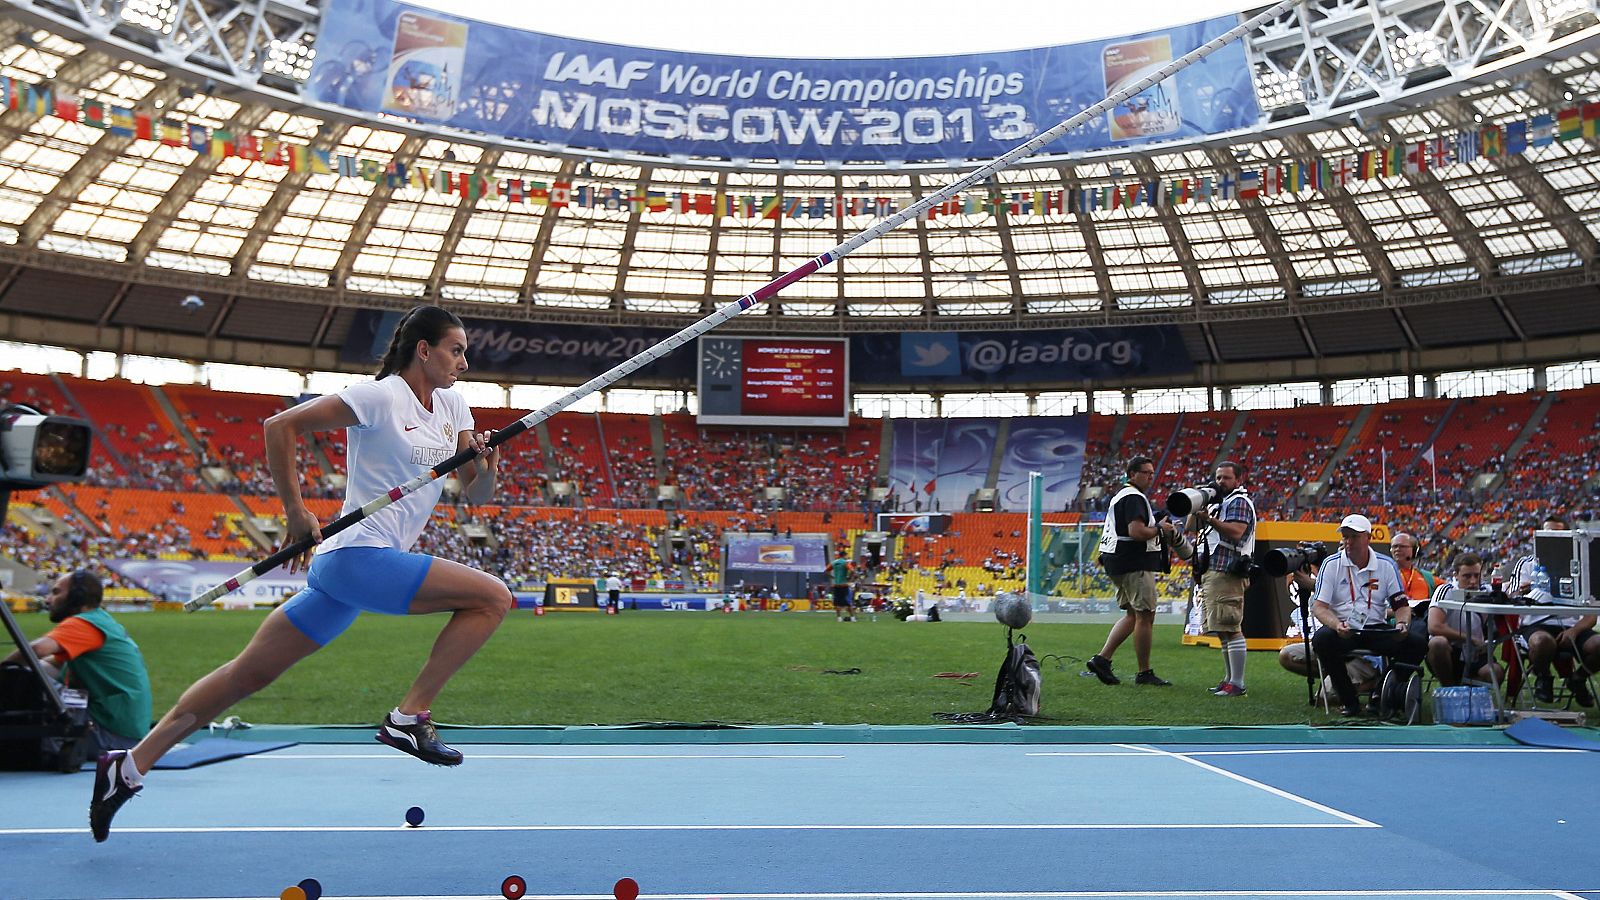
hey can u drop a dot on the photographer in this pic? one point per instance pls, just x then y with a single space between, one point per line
1356 590
1228 533
1133 547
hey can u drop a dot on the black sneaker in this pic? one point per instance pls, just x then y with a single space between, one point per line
1579 686
1351 712
419 740
110 792
1544 689
1149 676
1101 667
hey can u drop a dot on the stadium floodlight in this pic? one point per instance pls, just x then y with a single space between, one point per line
1554 12
1417 51
291 59
1276 89
159 16
38 449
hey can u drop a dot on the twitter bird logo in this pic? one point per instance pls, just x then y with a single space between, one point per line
930 353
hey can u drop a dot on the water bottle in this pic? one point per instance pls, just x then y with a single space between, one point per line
1541 578
1482 706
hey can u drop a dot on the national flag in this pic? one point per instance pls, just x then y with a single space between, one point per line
771 207
1227 187
582 196
1321 175
1468 146
1591 120
1207 189
1416 160
560 194
321 162
94 114
1436 152
1516 138
515 192
1569 124
247 146
221 144
9 96
537 193
928 488
36 100
371 171
703 204
1492 141
170 133
142 127
1542 130
1393 161
1294 178
1179 191
1344 171
66 106
396 175
615 199
122 121
1366 165
1249 185
1272 181
655 201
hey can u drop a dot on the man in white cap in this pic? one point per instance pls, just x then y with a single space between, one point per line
1357 589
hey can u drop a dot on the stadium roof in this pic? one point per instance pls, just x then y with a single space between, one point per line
104 229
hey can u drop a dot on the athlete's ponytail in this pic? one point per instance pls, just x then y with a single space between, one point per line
422 323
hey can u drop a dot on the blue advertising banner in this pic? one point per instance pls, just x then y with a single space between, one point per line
771 554
379 56
1006 357
529 348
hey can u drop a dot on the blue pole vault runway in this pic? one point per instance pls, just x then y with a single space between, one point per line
828 821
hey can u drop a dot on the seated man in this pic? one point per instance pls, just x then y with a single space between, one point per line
1545 636
95 655
1294 657
1357 588
1455 636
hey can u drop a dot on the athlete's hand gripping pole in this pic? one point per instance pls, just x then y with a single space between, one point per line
759 295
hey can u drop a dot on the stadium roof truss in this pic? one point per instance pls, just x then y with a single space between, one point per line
110 230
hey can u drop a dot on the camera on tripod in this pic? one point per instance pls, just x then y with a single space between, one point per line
1298 558
1188 500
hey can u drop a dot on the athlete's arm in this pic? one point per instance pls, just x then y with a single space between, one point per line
281 434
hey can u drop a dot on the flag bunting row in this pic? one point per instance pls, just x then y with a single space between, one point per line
1290 177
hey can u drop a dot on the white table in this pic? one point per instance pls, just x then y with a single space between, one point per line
1506 616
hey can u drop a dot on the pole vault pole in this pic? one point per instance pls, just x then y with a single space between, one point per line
765 292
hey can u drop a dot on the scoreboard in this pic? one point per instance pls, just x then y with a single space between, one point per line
774 381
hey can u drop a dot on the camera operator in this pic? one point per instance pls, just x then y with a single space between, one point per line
1133 548
1356 590
1228 532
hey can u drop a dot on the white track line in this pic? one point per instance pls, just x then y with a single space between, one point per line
1008 826
1277 792
1297 750
278 756
983 895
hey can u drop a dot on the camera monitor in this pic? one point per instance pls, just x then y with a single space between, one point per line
37 449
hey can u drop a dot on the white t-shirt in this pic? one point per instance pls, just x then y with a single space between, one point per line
613 583
395 441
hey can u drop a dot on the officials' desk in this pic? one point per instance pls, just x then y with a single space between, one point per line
1506 617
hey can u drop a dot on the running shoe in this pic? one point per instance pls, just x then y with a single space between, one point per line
1101 667
110 792
1228 689
1149 676
419 740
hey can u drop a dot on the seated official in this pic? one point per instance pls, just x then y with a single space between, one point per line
1418 582
89 651
1295 657
1357 588
1457 641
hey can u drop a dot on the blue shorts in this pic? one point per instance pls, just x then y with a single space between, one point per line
343 582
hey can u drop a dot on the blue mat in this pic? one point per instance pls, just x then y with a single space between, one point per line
1539 733
210 750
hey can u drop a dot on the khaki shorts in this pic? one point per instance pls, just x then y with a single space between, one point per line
1221 603
1136 591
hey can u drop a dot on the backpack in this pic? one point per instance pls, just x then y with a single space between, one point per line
1018 686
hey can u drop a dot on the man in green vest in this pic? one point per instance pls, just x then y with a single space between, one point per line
843 609
92 653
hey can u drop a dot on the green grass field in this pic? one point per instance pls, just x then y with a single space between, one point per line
700 667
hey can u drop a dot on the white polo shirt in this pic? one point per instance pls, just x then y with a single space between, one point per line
395 440
1359 595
